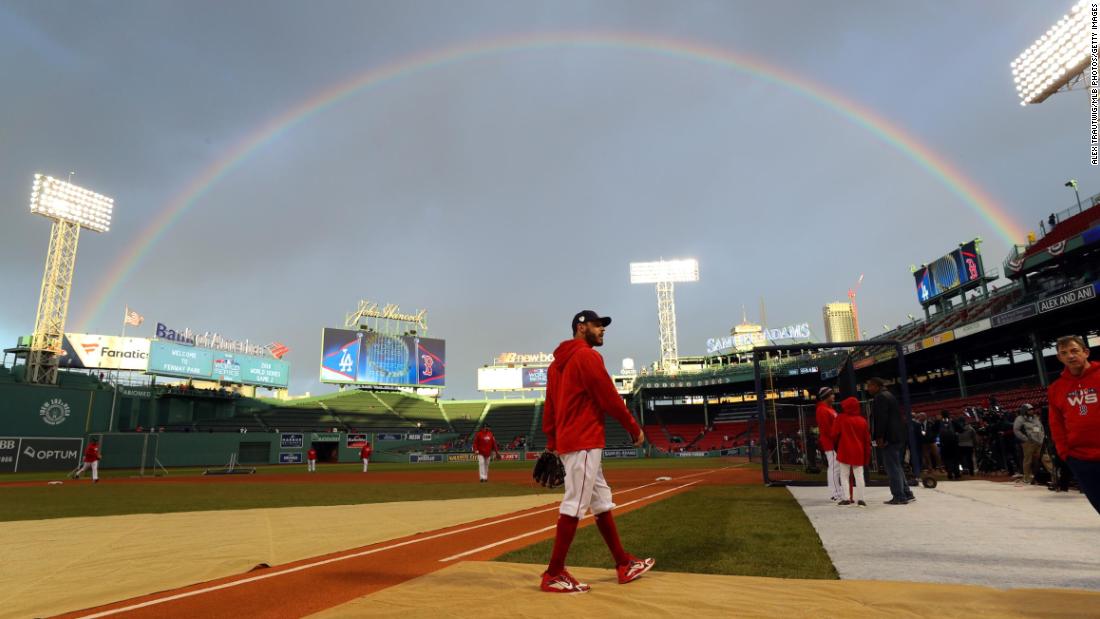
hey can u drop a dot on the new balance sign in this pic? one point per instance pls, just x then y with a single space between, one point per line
1084 293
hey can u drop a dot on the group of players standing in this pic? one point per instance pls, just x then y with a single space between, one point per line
1074 415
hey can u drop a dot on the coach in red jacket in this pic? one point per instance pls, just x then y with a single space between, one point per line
853 449
485 445
826 414
579 393
1074 401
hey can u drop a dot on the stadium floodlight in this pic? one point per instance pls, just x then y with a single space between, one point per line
70 208
59 199
1056 60
664 273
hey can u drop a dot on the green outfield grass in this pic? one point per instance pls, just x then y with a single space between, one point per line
352 467
105 499
734 530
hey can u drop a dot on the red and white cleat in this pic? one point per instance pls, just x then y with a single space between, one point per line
563 583
634 570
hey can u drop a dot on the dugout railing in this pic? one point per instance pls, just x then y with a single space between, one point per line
786 442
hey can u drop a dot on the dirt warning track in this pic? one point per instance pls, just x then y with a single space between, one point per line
315 584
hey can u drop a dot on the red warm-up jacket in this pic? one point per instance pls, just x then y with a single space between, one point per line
485 443
579 393
365 451
825 417
851 434
1075 413
91 453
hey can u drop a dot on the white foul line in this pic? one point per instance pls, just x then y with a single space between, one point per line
299 568
554 526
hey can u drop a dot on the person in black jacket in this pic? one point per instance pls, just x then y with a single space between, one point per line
890 434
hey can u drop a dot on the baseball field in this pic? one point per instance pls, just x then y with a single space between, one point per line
429 540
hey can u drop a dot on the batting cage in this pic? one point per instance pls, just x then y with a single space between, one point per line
787 380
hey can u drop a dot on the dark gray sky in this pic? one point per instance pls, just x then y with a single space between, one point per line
505 192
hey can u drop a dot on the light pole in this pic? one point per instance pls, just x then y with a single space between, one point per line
1073 183
664 273
70 208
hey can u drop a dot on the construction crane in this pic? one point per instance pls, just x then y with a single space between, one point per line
852 301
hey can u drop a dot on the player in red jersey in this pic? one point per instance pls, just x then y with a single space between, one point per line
91 461
311 460
485 445
364 454
1074 401
579 394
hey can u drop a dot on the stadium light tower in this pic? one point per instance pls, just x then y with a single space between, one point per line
70 208
665 273
1057 60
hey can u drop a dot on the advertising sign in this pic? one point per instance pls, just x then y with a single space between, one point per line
620 453
104 352
24 454
973 327
371 358
390 437
9 452
1077 295
324 437
175 360
954 272
290 457
418 458
1013 315
292 440
461 457
356 441
937 339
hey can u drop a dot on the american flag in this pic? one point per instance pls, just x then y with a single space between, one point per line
133 318
277 350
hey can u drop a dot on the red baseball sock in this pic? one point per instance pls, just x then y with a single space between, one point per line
606 524
567 528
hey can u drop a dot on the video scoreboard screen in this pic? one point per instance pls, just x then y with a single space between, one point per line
952 273
512 378
171 359
370 358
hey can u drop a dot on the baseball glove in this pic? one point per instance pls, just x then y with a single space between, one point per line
549 471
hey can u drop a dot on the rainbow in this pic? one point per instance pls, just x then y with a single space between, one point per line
937 166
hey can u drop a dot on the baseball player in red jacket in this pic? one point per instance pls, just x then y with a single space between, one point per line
579 393
485 445
853 449
364 454
311 460
91 461
826 414
1074 401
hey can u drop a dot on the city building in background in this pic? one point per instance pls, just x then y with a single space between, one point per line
839 322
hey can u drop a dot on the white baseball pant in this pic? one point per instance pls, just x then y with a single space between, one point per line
89 465
585 487
846 471
483 467
833 476
366 461
312 465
